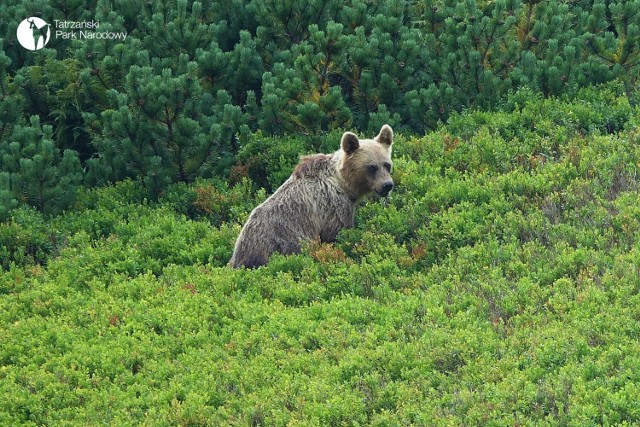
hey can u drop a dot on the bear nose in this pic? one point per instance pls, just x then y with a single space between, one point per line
386 188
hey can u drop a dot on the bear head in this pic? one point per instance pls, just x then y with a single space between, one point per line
366 163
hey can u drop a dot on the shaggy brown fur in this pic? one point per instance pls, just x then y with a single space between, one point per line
317 200
310 164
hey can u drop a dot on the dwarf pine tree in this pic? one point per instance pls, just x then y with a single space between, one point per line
11 105
612 38
11 100
384 62
304 97
156 131
35 171
174 29
231 79
7 200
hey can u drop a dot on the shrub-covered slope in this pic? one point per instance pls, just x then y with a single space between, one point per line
498 285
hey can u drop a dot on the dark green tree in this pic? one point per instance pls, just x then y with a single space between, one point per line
163 128
307 98
384 62
11 99
612 38
11 106
36 172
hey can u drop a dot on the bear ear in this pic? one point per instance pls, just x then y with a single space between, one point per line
350 142
385 136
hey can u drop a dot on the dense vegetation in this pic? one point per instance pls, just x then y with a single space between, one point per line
498 285
185 92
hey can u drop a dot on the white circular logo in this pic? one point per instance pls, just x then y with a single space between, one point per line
33 33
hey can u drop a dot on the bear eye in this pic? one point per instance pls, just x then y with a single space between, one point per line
387 166
372 169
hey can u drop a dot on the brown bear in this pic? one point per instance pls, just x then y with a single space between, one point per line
317 200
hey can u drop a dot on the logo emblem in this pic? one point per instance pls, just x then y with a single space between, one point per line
33 33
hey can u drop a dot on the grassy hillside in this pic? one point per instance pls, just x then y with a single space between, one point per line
498 285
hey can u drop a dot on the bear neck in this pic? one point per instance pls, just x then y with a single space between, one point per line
348 183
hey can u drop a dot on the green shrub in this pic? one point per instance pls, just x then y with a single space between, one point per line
25 239
214 200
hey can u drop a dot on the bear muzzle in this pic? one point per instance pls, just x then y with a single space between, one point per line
386 189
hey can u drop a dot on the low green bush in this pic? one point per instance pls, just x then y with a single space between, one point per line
25 239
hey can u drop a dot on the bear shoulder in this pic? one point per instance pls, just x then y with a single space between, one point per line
314 165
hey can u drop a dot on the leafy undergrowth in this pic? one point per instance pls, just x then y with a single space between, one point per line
498 285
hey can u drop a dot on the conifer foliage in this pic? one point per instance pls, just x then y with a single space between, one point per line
193 81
